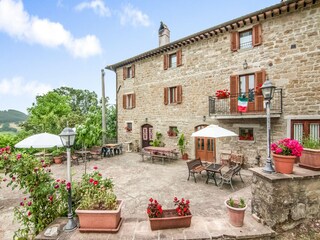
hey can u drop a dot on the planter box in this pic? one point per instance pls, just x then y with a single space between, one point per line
310 158
100 220
170 220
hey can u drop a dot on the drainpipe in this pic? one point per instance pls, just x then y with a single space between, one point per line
104 128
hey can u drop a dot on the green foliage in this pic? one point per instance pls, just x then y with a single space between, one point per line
157 142
97 192
111 119
182 143
50 114
236 203
6 128
12 116
311 143
47 198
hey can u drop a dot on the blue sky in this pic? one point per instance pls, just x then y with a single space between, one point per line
48 44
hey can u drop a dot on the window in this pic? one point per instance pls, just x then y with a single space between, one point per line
246 134
172 60
246 85
128 126
173 95
129 101
129 72
173 131
246 39
305 128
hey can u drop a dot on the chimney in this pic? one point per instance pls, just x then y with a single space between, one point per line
164 34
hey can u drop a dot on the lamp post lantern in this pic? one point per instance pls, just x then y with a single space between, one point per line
268 92
67 138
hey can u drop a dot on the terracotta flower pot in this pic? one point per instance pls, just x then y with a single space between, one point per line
310 159
57 160
170 220
100 220
236 215
283 164
185 156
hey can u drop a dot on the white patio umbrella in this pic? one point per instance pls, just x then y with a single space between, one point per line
214 131
41 140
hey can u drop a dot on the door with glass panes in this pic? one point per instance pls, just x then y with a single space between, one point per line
205 147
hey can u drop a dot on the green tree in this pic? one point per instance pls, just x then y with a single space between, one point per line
50 113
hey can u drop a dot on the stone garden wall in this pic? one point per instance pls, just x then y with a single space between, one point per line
282 201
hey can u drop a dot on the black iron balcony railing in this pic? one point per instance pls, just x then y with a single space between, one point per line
229 106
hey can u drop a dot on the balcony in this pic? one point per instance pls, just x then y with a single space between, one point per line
227 108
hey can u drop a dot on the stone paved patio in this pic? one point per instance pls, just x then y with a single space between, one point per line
136 181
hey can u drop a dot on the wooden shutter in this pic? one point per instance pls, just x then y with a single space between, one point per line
234 92
235 44
165 94
124 101
165 61
179 94
256 35
259 79
124 73
132 70
133 100
179 57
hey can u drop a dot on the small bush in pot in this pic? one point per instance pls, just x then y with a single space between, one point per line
236 209
99 209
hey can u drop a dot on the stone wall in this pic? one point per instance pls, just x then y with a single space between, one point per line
283 201
207 66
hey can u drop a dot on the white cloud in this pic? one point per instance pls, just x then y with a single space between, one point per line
133 16
19 24
18 87
97 6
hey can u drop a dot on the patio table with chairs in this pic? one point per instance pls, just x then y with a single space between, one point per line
162 153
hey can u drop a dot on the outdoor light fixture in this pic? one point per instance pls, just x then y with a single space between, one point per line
146 120
245 64
268 91
67 138
204 118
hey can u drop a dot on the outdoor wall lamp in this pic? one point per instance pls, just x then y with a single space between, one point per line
245 64
204 118
268 92
67 138
146 120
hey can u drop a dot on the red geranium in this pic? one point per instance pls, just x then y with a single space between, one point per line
182 206
154 209
222 93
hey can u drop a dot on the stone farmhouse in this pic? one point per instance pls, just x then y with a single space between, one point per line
195 81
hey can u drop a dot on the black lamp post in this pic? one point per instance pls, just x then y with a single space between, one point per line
67 138
268 92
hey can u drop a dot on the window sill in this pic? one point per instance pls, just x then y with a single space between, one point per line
246 141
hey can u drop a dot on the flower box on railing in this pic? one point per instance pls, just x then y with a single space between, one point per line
221 94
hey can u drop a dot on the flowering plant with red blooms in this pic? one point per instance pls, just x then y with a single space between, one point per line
43 192
182 206
96 192
288 147
154 209
258 89
222 93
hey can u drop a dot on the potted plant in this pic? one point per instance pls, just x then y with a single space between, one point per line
236 210
57 156
182 144
180 217
220 94
310 157
99 209
284 154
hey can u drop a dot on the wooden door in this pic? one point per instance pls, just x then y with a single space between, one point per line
146 135
205 147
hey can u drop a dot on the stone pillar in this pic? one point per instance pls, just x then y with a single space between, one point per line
283 201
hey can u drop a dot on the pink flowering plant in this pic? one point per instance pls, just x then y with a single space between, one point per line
96 192
288 147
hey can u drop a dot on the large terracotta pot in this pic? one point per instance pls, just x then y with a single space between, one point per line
283 164
185 156
57 160
100 220
310 159
236 215
170 220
